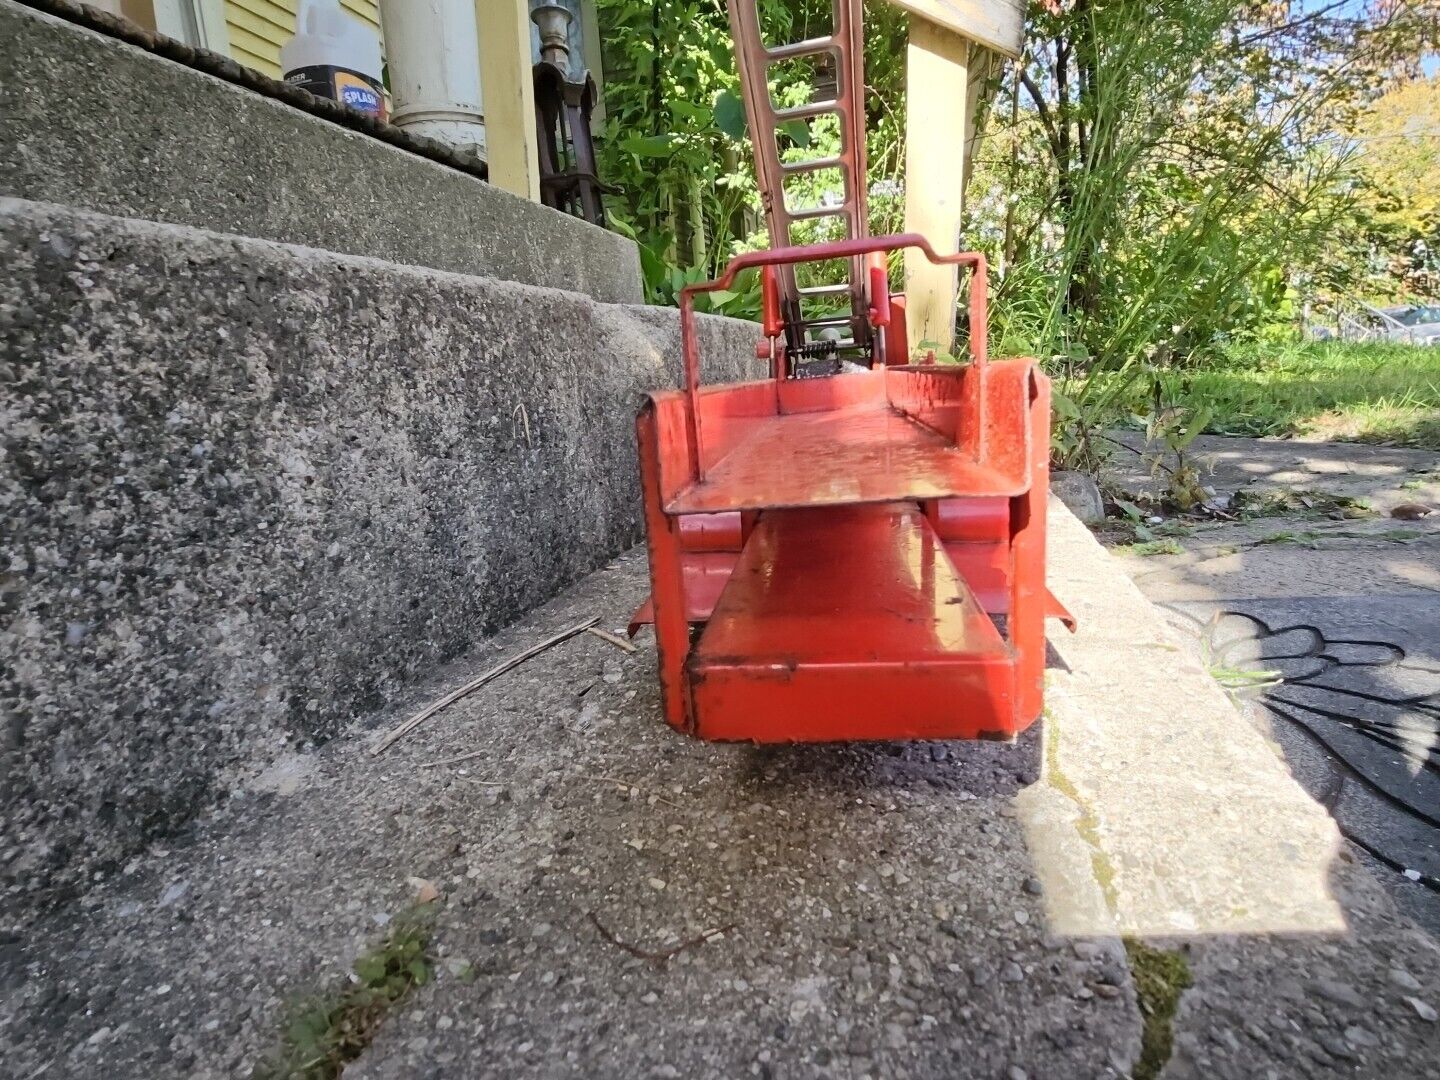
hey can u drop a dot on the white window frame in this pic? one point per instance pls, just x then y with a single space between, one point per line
196 22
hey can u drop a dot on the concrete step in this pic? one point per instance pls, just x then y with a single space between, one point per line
251 491
190 149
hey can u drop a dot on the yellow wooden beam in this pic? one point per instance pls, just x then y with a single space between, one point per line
938 129
984 65
509 92
996 24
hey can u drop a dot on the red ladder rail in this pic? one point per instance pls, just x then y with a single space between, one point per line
845 48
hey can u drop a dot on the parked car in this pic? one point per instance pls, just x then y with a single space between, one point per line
1415 323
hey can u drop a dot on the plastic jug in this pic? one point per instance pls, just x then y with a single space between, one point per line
335 55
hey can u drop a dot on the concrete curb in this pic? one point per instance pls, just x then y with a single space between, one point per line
1201 841
1200 826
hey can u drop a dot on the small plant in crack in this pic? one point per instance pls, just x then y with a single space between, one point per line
1141 525
324 1032
1171 428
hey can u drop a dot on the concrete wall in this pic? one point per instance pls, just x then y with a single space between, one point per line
250 490
90 121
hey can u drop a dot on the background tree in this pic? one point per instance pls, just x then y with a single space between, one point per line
1159 178
1172 168
1397 144
675 142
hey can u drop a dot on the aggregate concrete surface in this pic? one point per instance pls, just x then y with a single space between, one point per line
1384 475
1354 702
882 920
251 491
925 910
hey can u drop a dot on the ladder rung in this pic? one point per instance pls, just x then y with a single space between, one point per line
808 47
804 112
818 212
833 320
791 167
825 290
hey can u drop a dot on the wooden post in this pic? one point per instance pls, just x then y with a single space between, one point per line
509 93
938 127
953 45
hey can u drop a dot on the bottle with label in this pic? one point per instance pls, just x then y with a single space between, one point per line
335 55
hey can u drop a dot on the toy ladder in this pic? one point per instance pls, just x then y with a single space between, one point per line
844 50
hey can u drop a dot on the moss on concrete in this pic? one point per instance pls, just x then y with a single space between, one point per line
1160 976
1088 825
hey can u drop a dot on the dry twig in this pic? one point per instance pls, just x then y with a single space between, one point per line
605 635
453 760
475 684
646 954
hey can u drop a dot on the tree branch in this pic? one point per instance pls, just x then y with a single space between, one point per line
1310 17
1038 97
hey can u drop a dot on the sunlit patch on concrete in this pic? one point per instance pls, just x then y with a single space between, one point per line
1187 820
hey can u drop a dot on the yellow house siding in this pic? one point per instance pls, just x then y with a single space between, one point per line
259 27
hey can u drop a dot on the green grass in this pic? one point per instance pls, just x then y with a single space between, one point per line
326 1031
1336 390
1147 548
1240 682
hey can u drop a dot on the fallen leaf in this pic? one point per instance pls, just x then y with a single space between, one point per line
1410 511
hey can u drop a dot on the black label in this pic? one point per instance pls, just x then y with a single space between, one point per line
348 87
